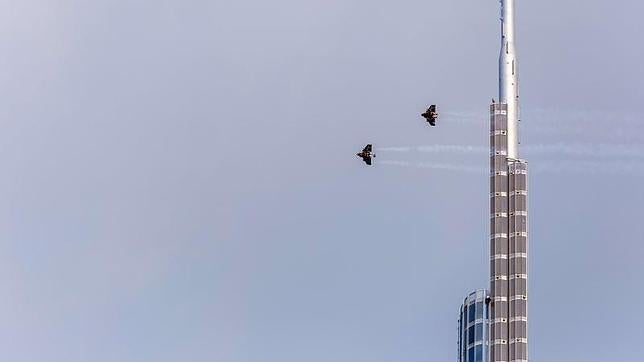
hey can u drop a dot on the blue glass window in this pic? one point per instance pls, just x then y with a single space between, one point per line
471 314
479 310
470 335
470 355
479 354
479 331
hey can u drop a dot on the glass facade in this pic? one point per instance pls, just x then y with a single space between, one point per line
473 328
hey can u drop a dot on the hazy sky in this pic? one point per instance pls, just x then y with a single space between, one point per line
179 180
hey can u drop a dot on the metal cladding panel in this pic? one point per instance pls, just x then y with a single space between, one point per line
520 244
499 224
500 142
499 117
499 246
520 202
500 287
500 352
519 266
500 310
499 183
520 222
519 351
519 287
518 308
518 327
500 267
498 163
500 331
499 206
521 182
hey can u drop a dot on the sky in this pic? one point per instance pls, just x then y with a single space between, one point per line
179 180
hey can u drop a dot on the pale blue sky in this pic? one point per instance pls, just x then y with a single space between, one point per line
179 180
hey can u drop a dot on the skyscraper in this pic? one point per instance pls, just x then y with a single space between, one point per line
508 207
506 302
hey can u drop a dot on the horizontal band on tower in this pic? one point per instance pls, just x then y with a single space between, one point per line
477 321
519 340
518 319
500 235
499 257
518 276
476 343
498 153
518 255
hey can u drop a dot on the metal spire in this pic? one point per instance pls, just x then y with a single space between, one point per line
509 76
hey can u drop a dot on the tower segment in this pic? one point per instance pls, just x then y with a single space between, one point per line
508 210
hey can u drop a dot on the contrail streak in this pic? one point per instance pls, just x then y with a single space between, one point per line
617 126
590 167
558 167
438 166
393 149
594 150
438 149
591 150
454 149
557 117
464 117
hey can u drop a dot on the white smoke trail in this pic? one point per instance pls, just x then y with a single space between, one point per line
610 124
393 149
464 117
605 119
453 149
590 168
558 117
437 149
593 150
437 166
574 149
558 167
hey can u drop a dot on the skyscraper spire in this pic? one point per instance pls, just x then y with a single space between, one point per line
509 75
506 335
509 213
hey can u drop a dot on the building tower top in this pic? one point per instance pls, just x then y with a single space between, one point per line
509 75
